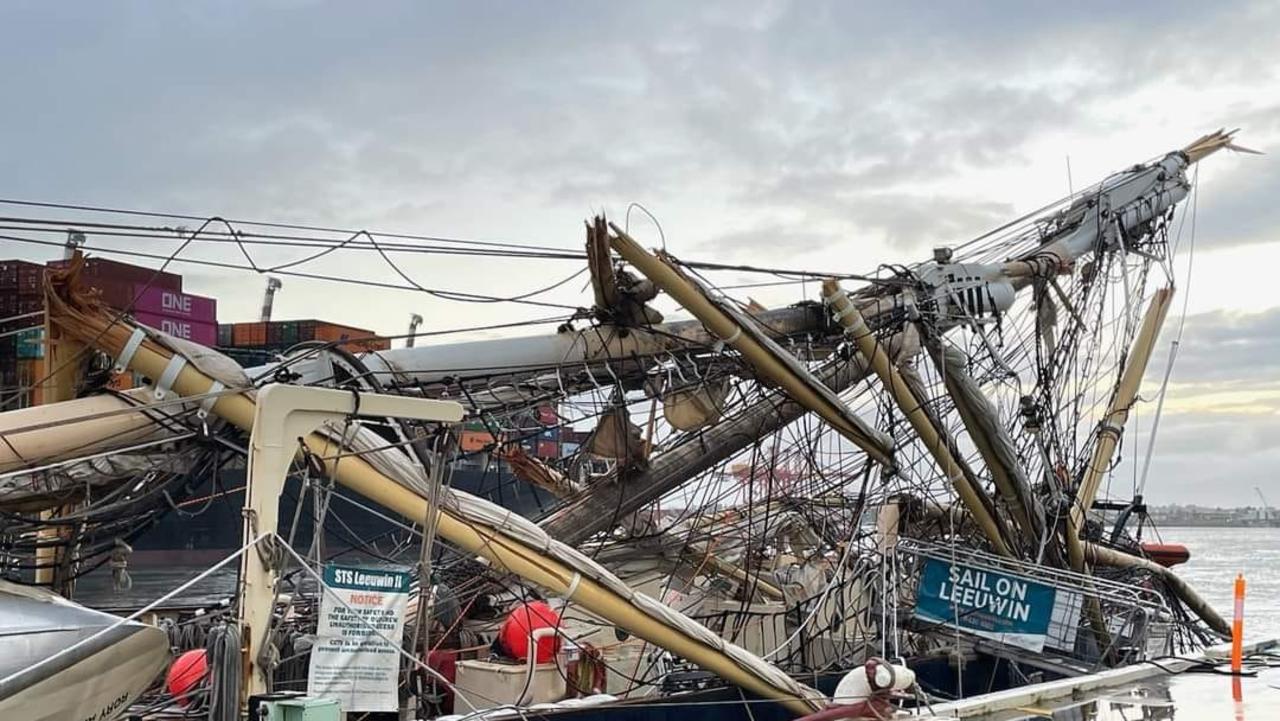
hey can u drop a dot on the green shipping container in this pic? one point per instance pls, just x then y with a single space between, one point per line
289 333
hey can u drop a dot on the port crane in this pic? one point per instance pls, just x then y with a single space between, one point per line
268 299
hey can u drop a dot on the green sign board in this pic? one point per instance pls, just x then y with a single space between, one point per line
1003 607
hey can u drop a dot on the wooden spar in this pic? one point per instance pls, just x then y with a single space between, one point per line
1103 556
972 498
500 549
64 358
765 360
601 509
961 387
1108 437
1118 410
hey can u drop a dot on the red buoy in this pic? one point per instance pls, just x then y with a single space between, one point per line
185 675
519 626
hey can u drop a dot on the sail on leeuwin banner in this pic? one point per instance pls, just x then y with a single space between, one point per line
351 663
1009 609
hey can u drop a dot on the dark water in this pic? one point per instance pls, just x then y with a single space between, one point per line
151 583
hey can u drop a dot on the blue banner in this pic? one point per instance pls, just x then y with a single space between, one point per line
1005 608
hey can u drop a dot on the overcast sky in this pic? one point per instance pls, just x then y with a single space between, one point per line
823 136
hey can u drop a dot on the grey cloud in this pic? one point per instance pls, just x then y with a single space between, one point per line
1222 347
1212 459
772 236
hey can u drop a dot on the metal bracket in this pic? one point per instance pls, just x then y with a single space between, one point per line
170 374
130 347
206 405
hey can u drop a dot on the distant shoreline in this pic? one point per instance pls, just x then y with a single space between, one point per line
1165 525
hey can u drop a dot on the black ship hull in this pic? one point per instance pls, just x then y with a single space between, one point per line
208 526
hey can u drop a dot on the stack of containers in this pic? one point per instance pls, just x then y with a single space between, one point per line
156 299
21 295
280 335
118 283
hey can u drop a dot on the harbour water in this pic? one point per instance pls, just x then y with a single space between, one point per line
1218 554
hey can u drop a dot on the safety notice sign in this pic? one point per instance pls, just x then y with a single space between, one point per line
350 662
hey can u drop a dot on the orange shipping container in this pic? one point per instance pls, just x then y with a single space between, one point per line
333 331
351 338
249 335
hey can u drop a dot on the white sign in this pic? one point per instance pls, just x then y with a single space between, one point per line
351 663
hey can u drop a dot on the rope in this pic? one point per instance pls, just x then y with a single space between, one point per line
222 651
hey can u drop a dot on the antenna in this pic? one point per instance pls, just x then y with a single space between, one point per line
273 284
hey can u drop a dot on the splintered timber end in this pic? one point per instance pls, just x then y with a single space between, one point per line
65 288
1210 143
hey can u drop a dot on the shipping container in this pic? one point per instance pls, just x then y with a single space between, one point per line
174 304
9 274
21 277
370 344
547 416
206 334
116 282
248 357
284 334
116 293
333 331
224 335
249 335
288 333
101 268
352 339
29 344
30 372
12 306
472 441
